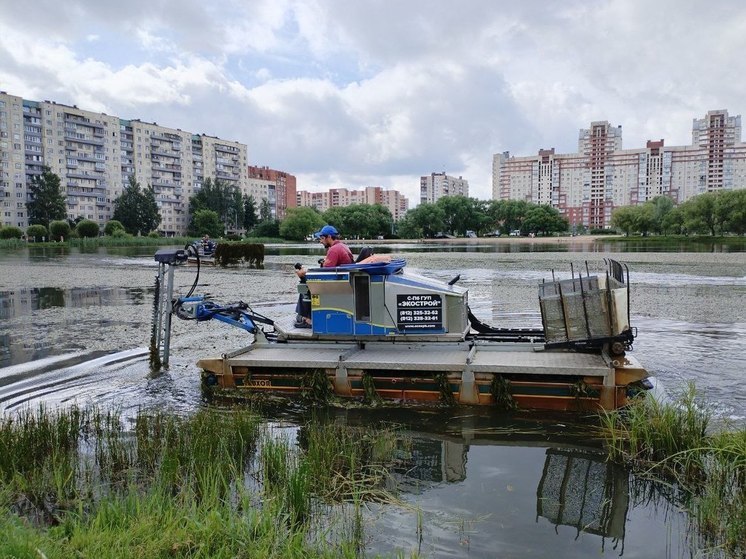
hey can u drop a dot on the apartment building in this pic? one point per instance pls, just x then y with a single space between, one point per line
94 154
435 186
278 187
396 202
588 185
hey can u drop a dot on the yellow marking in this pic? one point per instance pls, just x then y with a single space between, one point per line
315 300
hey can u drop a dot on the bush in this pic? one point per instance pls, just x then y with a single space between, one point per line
37 232
59 229
87 228
10 232
111 226
120 234
154 235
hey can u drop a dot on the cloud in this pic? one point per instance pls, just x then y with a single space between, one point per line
354 93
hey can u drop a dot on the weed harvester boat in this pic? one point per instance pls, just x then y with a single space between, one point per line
381 332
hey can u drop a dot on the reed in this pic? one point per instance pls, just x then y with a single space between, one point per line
90 483
671 442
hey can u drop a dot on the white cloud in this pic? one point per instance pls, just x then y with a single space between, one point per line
352 93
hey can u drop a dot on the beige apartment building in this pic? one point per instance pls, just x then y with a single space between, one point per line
396 202
94 154
588 185
435 186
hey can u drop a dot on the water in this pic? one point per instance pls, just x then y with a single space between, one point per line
74 326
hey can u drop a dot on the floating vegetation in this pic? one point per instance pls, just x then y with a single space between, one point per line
371 397
501 393
316 386
444 386
233 253
670 442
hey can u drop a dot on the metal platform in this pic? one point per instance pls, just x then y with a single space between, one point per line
519 359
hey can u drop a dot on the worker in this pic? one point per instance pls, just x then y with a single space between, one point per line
337 254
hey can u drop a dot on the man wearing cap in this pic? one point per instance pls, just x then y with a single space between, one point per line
337 254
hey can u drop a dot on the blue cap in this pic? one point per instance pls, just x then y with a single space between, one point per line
327 230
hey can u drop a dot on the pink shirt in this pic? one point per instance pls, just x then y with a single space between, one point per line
338 255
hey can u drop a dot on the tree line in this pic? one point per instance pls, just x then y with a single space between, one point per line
219 208
455 215
711 213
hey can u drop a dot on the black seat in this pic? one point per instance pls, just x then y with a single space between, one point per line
365 252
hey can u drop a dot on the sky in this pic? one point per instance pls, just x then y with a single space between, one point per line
355 93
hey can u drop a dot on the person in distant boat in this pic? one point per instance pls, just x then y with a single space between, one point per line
208 246
337 254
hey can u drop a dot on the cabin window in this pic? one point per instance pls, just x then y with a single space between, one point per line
362 297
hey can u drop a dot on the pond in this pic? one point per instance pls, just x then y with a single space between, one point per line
74 327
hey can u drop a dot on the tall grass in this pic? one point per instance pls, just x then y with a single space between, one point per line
671 442
216 484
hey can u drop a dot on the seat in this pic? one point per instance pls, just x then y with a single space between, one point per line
365 252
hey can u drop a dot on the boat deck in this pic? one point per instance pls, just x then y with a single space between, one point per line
510 359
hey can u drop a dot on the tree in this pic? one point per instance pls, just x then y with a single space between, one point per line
662 205
60 229
47 201
249 212
427 219
673 222
507 215
137 209
360 220
699 213
545 219
624 219
265 211
10 232
207 222
223 199
37 232
87 228
113 225
300 222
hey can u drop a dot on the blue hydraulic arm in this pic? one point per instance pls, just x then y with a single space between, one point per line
235 314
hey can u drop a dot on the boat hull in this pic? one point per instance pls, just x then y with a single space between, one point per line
509 375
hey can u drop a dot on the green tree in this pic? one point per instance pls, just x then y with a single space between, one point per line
47 201
624 219
208 222
136 209
673 222
220 197
87 228
249 212
59 230
506 215
10 232
265 211
699 213
37 232
545 220
427 219
269 228
300 222
730 211
662 205
462 213
111 226
360 220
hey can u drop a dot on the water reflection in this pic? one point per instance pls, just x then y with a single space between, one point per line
23 302
583 490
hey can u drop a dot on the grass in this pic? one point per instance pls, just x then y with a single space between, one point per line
87 483
729 240
672 443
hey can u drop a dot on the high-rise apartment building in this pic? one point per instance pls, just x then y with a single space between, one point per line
436 185
94 154
586 186
396 203
278 187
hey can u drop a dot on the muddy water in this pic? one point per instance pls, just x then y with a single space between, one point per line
74 327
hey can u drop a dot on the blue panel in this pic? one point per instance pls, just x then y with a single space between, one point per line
331 322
